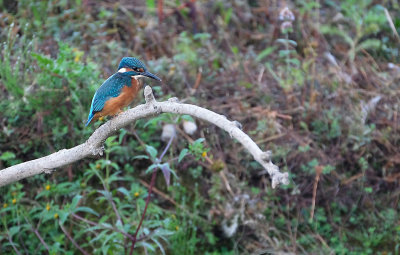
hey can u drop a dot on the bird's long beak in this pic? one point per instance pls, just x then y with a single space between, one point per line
150 75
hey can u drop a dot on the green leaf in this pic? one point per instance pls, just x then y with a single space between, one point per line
198 141
159 245
86 209
151 4
293 61
43 61
285 53
75 201
121 135
227 16
368 189
330 30
328 169
151 168
124 191
201 36
105 193
63 216
152 151
182 154
235 50
7 156
141 157
119 225
287 41
155 120
147 245
13 230
265 53
188 118
369 44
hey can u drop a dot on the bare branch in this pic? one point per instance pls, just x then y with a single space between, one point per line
94 145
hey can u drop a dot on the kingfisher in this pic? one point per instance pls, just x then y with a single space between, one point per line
119 90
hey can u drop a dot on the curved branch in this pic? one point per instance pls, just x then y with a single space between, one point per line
94 145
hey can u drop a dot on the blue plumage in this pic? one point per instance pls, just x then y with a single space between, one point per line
109 89
112 87
131 62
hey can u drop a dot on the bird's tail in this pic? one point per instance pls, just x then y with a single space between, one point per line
91 115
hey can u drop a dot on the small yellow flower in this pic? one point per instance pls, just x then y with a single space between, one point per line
101 118
98 166
78 54
56 216
5 205
48 187
177 228
14 201
204 154
137 194
48 207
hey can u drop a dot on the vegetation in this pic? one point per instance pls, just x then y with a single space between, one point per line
317 84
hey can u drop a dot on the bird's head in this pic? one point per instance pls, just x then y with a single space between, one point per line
135 68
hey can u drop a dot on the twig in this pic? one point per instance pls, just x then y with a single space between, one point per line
109 197
94 145
153 180
318 170
160 10
165 196
41 239
197 82
226 182
72 240
391 24
270 138
38 234
12 244
101 225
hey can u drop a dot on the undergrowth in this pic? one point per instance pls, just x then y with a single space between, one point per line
318 88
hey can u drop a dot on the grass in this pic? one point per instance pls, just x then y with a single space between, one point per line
320 93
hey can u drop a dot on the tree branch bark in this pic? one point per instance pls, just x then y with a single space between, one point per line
94 145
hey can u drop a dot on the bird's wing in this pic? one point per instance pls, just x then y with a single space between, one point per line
110 88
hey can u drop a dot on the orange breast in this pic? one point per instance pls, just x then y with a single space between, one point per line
114 105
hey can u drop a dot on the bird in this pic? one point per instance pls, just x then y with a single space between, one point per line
119 90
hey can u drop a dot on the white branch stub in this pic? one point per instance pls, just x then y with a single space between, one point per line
94 145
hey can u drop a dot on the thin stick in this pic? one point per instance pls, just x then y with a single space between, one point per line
101 225
318 170
12 244
153 180
38 235
41 239
165 196
391 24
113 204
72 240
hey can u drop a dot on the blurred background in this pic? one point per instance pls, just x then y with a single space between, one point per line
314 81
